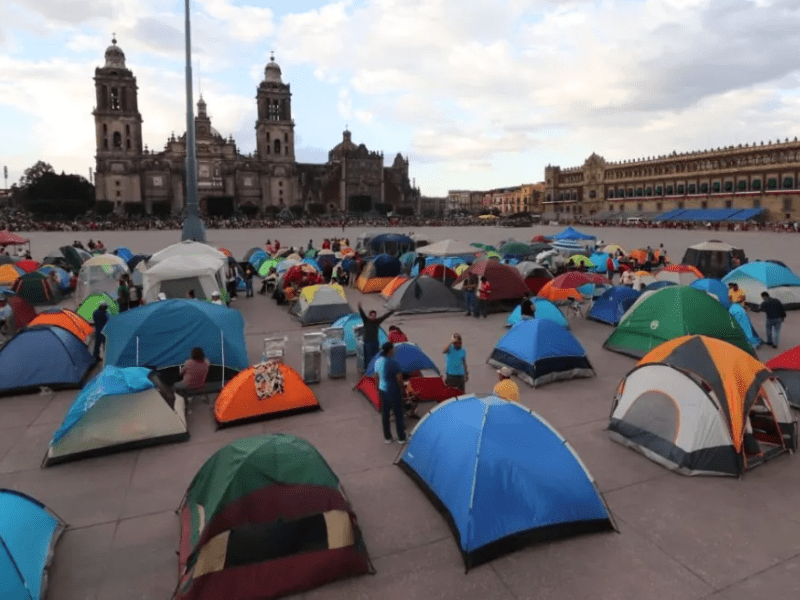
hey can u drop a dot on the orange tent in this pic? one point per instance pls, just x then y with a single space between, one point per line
9 274
239 400
225 251
66 319
373 284
395 283
555 294
684 269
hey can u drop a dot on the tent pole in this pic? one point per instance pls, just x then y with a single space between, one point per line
137 350
222 343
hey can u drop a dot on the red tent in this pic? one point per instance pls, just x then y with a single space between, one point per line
786 367
506 281
11 239
441 273
28 265
24 313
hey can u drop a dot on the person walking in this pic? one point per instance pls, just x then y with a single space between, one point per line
372 328
506 388
123 295
389 377
469 289
249 273
775 314
610 268
99 318
455 364
484 293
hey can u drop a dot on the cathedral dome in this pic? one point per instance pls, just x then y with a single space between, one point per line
344 147
272 72
115 57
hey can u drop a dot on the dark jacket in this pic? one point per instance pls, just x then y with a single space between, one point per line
100 318
773 309
372 328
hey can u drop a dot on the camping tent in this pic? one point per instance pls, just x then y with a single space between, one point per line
186 248
610 307
502 477
35 288
544 310
9 274
61 274
22 312
423 295
534 274
740 314
691 404
43 356
541 351
712 258
67 257
679 274
412 362
100 274
266 513
714 288
349 323
448 248
265 390
119 409
393 244
90 304
176 275
377 273
390 287
573 234
28 535
66 319
441 272
670 313
319 304
786 367
507 283
763 276
161 335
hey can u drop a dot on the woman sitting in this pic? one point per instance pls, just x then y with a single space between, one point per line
194 372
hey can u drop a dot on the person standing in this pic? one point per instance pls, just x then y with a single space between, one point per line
249 273
389 377
610 268
775 314
736 295
627 278
527 309
506 388
353 270
469 289
484 293
99 318
420 263
455 364
230 282
372 328
123 295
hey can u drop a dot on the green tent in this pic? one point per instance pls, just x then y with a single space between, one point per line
672 312
264 267
311 253
87 308
515 249
36 289
270 509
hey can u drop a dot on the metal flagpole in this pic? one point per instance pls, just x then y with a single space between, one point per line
222 342
193 228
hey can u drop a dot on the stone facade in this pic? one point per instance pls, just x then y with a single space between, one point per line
765 176
135 179
525 198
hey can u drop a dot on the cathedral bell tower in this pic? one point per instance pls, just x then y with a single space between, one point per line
274 127
118 131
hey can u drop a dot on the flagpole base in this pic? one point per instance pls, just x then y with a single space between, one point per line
193 229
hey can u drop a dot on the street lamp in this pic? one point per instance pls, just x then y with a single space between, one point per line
193 228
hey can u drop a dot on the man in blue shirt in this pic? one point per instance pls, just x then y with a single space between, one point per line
455 367
775 313
99 318
389 377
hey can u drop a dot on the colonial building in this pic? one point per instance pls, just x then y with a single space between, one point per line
525 198
761 176
135 179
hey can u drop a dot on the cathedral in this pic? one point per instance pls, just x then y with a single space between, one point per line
132 179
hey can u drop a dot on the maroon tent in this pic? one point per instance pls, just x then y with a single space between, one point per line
24 313
506 281
11 239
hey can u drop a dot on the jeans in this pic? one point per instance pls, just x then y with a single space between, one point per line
773 331
472 303
392 401
249 287
482 304
99 340
371 349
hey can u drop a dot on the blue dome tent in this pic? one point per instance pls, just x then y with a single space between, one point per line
349 324
740 314
600 259
610 307
544 310
714 287
161 335
411 358
541 351
394 244
658 285
28 535
43 356
501 476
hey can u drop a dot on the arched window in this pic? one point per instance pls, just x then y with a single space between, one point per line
277 146
117 139
114 98
104 97
127 130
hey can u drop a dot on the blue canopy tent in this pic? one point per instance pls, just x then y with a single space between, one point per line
573 234
501 476
740 314
161 336
544 310
714 287
610 307
541 351
43 356
28 535
393 244
349 323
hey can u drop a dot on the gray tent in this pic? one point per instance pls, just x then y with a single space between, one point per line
320 304
424 295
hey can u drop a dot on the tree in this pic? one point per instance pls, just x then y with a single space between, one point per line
32 174
51 194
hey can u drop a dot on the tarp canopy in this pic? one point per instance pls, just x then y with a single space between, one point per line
43 356
394 244
8 238
163 334
573 234
670 313
28 535
119 409
448 248
502 475
541 351
283 518
423 295
319 304
687 406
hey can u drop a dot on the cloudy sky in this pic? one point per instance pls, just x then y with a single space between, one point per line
478 94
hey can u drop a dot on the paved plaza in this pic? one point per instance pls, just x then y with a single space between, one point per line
680 538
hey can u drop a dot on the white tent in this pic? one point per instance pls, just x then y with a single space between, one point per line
177 275
448 248
186 248
100 274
